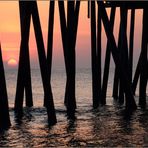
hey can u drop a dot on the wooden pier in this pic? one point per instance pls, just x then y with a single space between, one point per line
124 83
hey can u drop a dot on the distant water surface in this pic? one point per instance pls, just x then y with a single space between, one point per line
58 81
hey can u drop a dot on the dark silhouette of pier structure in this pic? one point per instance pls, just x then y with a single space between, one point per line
124 84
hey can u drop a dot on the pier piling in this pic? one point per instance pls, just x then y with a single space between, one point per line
4 109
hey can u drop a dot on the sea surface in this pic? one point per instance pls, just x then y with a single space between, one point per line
107 126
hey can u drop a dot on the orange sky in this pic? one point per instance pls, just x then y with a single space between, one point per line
10 33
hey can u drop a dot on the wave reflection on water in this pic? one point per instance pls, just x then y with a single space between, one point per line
106 126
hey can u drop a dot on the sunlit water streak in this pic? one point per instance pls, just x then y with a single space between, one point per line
107 126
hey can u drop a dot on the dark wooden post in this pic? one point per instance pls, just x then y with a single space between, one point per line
24 74
4 109
116 85
123 50
116 82
64 34
118 90
50 35
94 63
43 64
107 58
70 99
69 33
137 74
143 74
130 102
50 39
88 13
98 57
131 42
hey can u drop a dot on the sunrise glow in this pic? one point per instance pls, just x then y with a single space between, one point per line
10 35
12 62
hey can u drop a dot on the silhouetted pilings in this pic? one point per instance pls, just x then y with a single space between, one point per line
142 66
123 88
24 75
95 83
131 43
31 9
4 110
116 82
144 54
43 65
123 72
99 56
69 34
88 13
50 35
96 32
137 74
107 58
123 49
118 90
120 56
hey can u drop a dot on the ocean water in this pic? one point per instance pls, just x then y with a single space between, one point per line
106 126
58 81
